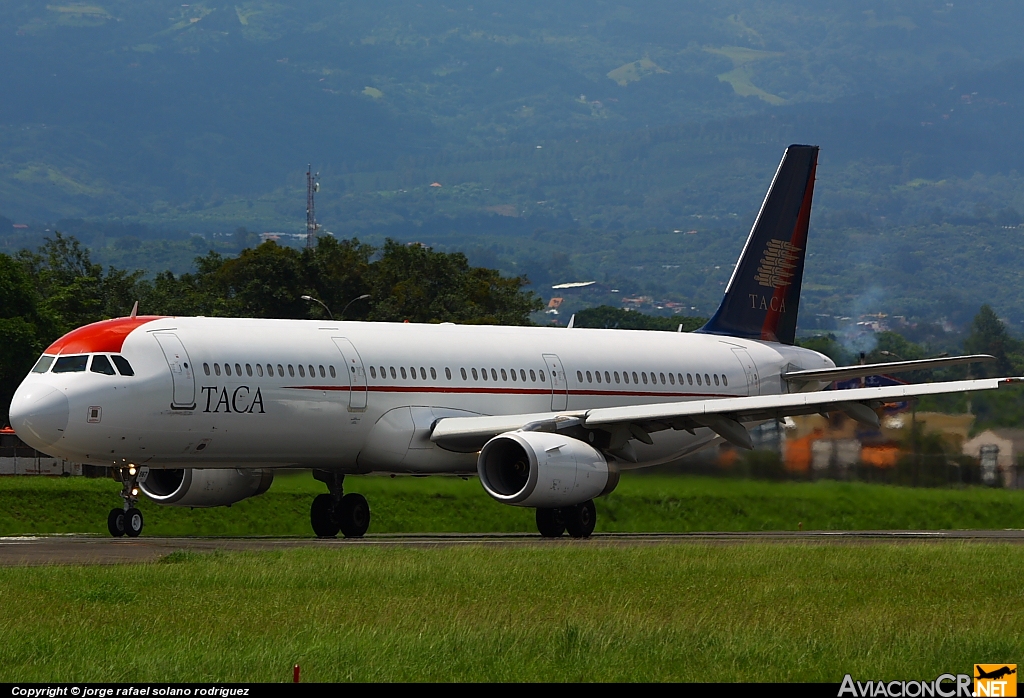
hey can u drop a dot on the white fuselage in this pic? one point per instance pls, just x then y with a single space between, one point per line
376 389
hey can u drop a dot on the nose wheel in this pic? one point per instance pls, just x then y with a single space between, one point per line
127 521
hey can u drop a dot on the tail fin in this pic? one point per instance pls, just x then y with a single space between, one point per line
763 295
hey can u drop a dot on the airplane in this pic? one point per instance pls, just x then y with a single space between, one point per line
202 411
994 674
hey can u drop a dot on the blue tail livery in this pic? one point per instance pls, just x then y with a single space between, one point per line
763 295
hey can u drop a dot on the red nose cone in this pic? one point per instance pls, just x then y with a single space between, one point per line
105 336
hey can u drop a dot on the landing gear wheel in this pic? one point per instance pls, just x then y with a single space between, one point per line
321 515
550 522
115 522
133 522
354 515
580 519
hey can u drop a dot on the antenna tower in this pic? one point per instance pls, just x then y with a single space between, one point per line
312 187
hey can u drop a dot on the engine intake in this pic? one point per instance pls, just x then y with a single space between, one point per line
541 469
197 487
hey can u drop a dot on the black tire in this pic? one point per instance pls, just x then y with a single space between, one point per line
321 515
580 519
133 523
550 522
115 522
354 515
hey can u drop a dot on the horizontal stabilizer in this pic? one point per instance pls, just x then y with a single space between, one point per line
841 373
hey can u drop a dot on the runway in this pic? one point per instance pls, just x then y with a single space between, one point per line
18 551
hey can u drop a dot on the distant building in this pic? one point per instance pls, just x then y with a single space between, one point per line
436 184
998 451
554 303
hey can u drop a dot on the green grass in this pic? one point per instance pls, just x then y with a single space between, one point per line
571 612
445 504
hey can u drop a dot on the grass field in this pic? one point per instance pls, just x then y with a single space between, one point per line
574 612
444 504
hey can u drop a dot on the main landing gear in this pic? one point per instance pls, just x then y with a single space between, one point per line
578 520
337 511
127 521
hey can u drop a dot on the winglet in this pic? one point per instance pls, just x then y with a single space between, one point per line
763 295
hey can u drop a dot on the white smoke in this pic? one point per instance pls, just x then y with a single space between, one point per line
858 338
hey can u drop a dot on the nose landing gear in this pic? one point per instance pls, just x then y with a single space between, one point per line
127 521
338 512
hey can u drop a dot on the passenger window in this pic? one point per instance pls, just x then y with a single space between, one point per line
542 378
512 372
238 369
323 373
625 377
291 371
334 374
522 375
216 369
533 376
680 377
248 370
227 369
504 375
663 379
494 375
101 364
70 364
475 377
483 373
423 373
725 380
393 374
645 377
383 371
43 365
280 370
206 368
302 371
698 379
373 372
463 372
259 370
124 367
672 379
607 378
403 372
716 379
447 373
590 377
707 379
689 378
312 372
412 372
433 373
597 375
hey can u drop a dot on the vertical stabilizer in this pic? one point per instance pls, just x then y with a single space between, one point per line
763 295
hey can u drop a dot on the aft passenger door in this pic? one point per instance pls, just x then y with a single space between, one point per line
559 384
353 364
184 396
750 369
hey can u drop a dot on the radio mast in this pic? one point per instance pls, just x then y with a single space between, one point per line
312 187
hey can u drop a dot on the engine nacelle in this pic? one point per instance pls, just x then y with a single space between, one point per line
541 469
196 487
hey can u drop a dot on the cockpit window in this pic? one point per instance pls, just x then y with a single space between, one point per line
43 365
101 364
70 364
123 366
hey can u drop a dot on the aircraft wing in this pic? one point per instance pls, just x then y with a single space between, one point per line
723 415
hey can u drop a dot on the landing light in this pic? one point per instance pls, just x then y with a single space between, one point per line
135 491
131 470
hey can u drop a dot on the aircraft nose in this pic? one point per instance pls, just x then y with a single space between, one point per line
39 414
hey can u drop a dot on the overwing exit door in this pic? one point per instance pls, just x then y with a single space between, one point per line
559 384
356 373
184 395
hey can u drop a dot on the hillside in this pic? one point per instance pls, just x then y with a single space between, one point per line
570 141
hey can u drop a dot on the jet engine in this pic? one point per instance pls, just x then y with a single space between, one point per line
195 487
543 469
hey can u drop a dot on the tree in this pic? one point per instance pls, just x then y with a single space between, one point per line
610 317
25 328
989 336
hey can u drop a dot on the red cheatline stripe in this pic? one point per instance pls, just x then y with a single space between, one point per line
499 391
